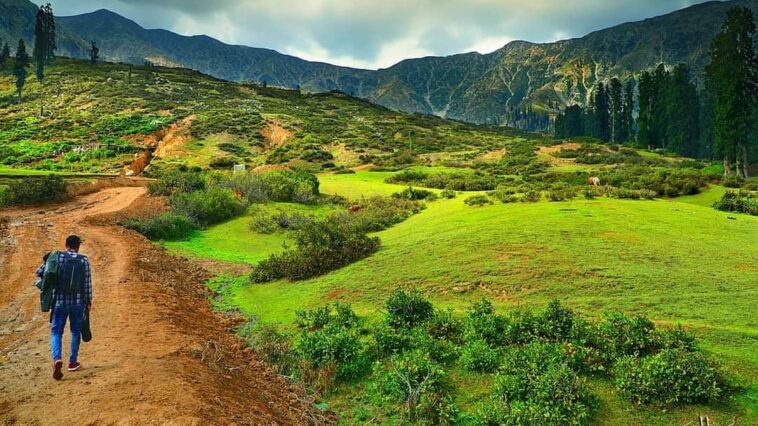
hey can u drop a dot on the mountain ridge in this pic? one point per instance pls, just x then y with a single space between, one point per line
473 87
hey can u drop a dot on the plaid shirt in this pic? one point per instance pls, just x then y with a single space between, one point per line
73 298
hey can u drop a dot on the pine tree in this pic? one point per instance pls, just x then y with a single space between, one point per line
40 43
627 114
602 114
616 109
682 116
94 53
733 75
658 105
52 45
19 67
646 89
44 39
570 122
5 55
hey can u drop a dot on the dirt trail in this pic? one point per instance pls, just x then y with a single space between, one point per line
159 354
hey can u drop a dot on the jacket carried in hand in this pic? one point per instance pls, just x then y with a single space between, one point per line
48 281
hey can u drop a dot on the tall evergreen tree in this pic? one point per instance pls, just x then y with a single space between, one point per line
733 74
602 114
94 53
627 113
40 43
44 39
646 89
570 122
681 113
658 117
52 44
616 108
5 55
19 67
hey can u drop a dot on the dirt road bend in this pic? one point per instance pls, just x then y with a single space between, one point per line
159 354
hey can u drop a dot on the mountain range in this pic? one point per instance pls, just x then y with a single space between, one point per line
473 87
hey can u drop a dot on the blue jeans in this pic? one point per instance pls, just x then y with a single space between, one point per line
75 314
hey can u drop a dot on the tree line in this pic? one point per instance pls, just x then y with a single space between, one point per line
662 108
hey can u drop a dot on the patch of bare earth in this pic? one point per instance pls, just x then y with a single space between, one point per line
159 355
274 135
547 153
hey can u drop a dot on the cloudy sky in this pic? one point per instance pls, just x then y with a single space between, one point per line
378 33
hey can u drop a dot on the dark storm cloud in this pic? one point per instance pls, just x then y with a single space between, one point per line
370 33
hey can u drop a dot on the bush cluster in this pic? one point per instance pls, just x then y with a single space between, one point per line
282 221
415 194
33 190
539 360
477 200
164 227
208 207
321 246
452 181
739 201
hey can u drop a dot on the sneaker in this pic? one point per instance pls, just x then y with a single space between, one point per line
57 369
73 366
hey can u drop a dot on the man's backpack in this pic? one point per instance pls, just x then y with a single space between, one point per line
71 274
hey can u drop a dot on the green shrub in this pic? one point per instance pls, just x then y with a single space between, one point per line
278 185
263 224
483 323
272 346
208 207
621 335
445 326
536 386
321 246
670 377
419 385
562 192
407 176
477 355
166 227
34 190
412 193
739 201
531 196
556 322
344 172
391 340
331 339
477 200
448 194
268 224
223 163
379 213
339 314
337 346
175 181
407 309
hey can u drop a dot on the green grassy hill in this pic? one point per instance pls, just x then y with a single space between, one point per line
674 261
115 112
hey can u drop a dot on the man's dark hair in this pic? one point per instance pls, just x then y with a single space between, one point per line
73 241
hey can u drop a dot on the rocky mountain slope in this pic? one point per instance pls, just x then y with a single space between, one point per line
470 87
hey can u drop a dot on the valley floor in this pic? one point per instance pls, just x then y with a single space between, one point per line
674 261
159 354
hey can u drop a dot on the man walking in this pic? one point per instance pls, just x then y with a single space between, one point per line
73 294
